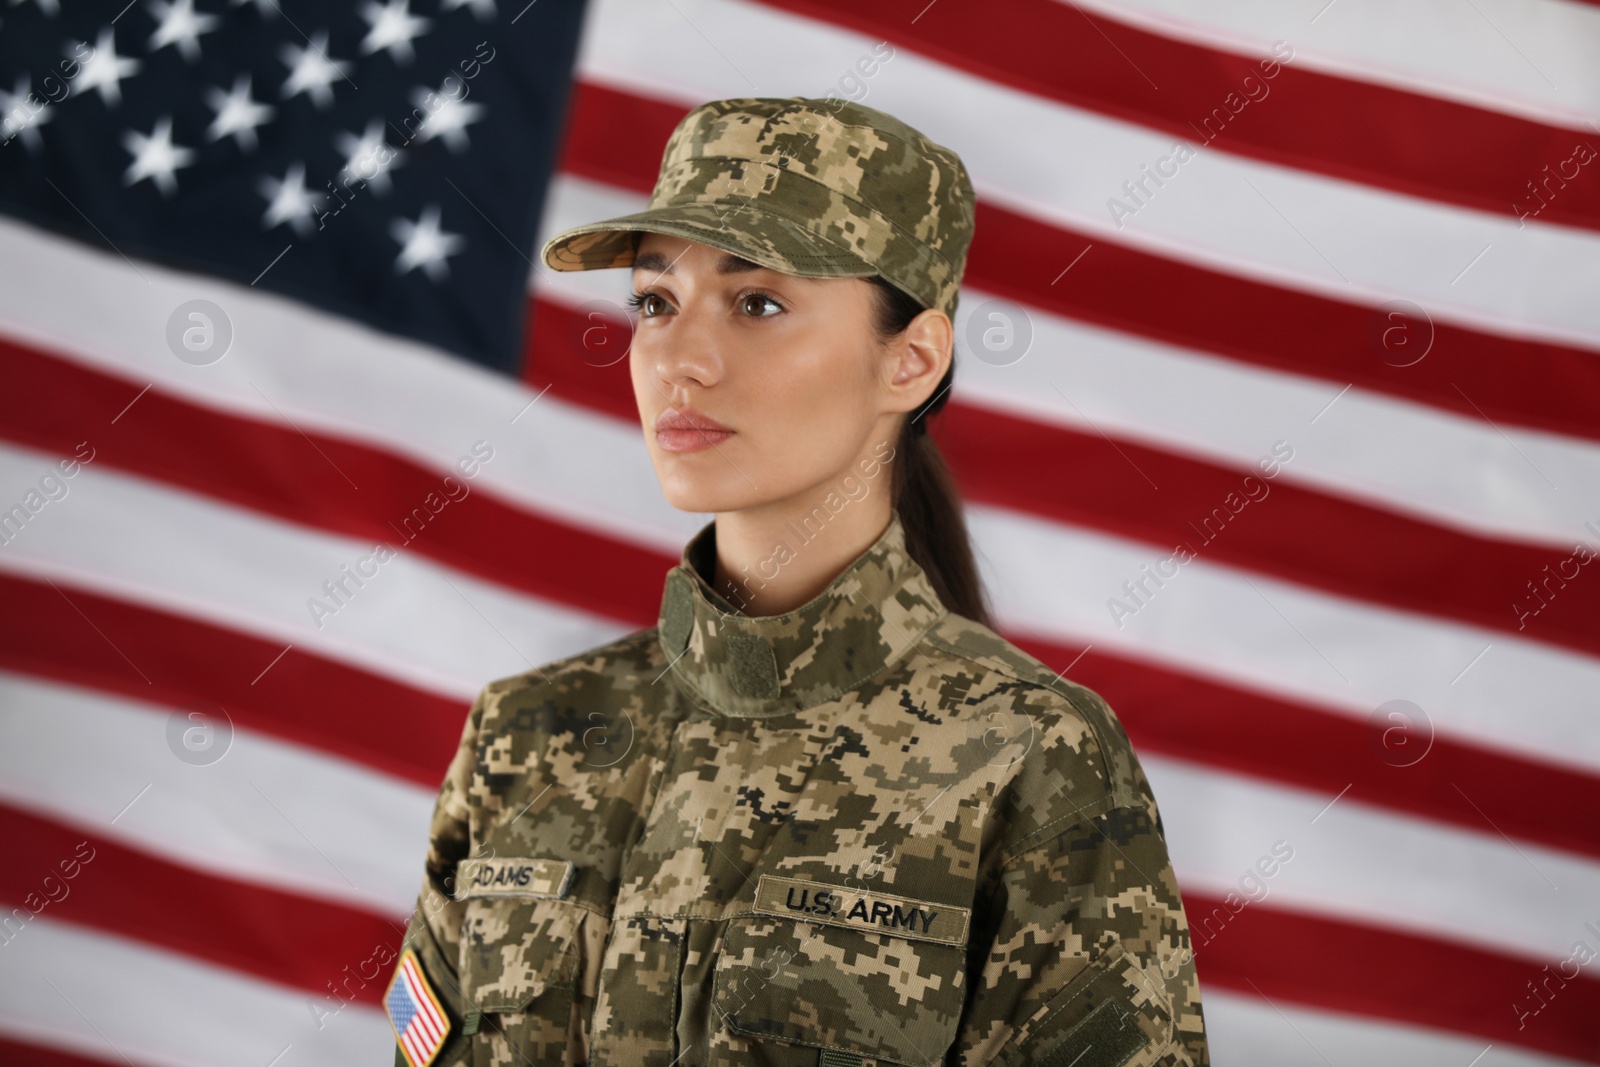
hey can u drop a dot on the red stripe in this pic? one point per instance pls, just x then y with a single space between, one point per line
241 925
331 950
424 1032
1556 387
1293 532
1163 711
306 944
409 1038
1166 710
1343 127
1236 729
433 1025
303 697
424 1022
1466 372
273 468
417 1033
1264 951
344 710
1304 536
16 1051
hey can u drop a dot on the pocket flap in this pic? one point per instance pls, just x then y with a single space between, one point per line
513 949
891 998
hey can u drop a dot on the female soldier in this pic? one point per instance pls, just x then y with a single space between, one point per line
822 813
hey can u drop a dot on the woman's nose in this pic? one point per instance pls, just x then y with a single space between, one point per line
689 349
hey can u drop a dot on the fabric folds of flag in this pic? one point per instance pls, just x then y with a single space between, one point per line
1277 413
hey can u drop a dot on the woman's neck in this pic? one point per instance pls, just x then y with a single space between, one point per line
771 560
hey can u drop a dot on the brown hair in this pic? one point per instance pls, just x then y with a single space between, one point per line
922 491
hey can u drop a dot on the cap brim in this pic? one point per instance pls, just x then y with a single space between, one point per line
759 235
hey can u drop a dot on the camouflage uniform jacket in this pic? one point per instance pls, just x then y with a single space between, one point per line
868 831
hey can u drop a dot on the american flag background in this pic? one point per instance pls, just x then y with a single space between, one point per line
1277 413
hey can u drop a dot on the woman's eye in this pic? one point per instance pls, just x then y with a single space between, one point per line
645 304
759 305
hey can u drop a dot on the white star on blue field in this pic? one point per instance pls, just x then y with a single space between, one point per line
383 159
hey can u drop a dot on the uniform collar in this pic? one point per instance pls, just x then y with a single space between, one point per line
870 615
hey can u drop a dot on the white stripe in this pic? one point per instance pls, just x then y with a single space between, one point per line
1232 213
1407 460
422 1043
1246 1029
1369 865
209 559
1054 581
1529 58
431 1026
167 1009
419 1055
275 814
94 994
435 1023
1446 469
297 368
423 1015
414 619
268 812
1411 458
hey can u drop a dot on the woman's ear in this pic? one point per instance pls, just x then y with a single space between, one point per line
922 354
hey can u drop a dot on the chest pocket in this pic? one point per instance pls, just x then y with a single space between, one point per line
524 965
790 988
514 950
518 933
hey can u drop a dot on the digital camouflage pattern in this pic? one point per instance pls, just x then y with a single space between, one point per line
816 187
868 831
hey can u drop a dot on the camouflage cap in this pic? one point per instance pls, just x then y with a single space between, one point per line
823 188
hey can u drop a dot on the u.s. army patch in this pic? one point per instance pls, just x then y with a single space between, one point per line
420 1022
877 913
510 877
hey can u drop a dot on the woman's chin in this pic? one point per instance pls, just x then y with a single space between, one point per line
705 495
711 492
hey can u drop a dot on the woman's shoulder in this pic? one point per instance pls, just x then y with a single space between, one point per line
597 676
1071 756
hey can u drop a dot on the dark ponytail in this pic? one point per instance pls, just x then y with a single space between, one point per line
922 490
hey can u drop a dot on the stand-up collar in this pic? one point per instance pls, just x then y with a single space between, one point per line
870 615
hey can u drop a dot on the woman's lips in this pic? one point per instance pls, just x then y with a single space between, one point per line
688 430
692 440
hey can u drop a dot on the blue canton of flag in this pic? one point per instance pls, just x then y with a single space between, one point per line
419 1022
383 163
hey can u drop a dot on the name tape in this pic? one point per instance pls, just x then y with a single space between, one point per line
880 913
512 877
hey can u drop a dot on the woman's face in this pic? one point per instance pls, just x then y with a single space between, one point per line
790 366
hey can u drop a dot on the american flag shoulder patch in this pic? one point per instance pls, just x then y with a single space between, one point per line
419 1020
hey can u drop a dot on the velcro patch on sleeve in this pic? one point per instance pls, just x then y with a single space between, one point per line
1107 1037
513 877
876 913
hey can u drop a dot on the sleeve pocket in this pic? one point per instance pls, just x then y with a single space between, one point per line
1110 1015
